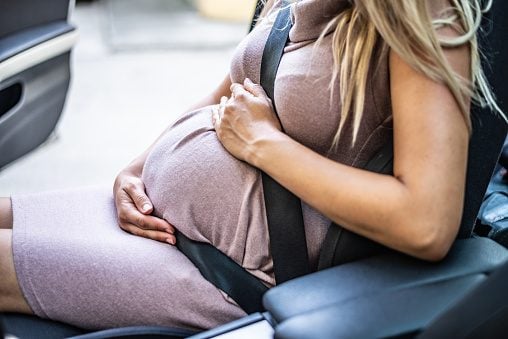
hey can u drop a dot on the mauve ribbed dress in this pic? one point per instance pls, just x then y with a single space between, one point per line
76 265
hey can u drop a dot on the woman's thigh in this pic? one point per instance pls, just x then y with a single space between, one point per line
5 213
76 265
11 298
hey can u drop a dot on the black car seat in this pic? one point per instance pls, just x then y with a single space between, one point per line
373 283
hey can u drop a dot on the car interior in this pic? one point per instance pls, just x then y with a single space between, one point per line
34 50
384 295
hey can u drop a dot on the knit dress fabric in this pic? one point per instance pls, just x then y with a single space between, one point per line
76 265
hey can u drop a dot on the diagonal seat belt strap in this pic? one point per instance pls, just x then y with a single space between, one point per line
283 208
340 245
284 215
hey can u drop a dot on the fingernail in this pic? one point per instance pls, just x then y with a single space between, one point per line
248 80
146 207
170 241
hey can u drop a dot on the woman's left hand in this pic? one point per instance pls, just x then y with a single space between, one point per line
245 119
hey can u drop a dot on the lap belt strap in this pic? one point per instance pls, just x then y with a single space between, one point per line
224 273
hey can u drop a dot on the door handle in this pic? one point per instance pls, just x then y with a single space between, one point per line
9 98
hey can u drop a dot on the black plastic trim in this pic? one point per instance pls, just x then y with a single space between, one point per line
28 326
229 327
141 332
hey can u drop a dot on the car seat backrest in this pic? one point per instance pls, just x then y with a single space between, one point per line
489 129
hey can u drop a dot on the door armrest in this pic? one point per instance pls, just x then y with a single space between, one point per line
389 272
391 313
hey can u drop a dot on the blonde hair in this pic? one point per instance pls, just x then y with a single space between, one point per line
407 28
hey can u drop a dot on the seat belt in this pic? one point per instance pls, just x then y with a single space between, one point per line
341 245
224 273
283 209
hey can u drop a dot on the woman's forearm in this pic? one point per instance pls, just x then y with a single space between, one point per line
388 212
334 189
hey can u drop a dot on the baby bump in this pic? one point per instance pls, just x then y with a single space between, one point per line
206 193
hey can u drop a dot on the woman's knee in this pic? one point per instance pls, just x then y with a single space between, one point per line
11 297
5 213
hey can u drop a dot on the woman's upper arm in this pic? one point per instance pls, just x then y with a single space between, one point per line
430 145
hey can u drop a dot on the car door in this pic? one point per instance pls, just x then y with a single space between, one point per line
35 43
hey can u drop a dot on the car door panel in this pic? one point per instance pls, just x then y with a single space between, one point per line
34 72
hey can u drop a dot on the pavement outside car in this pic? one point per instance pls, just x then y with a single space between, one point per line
137 66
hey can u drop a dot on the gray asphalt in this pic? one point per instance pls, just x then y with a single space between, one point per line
133 73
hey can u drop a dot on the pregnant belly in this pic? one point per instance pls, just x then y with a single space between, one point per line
206 193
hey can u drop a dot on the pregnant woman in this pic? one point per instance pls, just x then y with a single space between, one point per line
351 71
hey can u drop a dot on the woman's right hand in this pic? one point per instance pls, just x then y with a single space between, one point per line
134 209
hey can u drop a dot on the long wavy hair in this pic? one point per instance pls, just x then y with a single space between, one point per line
407 28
